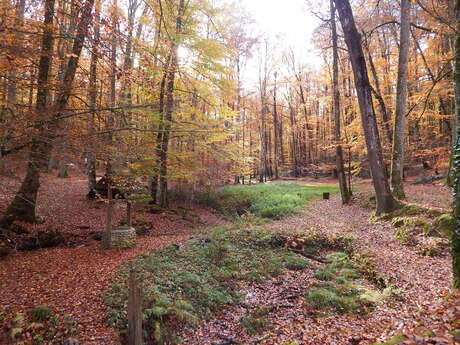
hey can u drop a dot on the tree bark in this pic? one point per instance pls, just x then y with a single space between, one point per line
92 95
169 107
397 161
276 133
385 200
456 155
11 89
344 191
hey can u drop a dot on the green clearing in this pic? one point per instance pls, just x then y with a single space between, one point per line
266 200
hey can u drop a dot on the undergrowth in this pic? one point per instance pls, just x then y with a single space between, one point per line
184 285
340 290
266 200
39 326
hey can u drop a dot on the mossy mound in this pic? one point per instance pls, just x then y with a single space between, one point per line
443 226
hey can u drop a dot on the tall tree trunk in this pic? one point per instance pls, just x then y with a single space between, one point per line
397 161
385 200
381 102
456 155
169 107
276 133
92 95
23 205
344 191
11 88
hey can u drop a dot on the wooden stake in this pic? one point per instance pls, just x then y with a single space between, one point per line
129 214
134 311
108 226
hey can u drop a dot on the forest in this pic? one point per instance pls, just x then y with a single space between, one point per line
186 172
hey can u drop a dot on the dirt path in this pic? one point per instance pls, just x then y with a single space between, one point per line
424 281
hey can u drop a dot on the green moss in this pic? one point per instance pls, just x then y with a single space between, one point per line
337 292
402 235
381 297
411 210
340 302
296 263
443 225
41 314
397 222
397 339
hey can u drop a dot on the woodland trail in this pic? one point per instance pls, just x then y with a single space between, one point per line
424 281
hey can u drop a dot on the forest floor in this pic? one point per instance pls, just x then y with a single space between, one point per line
71 279
423 282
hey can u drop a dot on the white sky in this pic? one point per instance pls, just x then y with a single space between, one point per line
289 18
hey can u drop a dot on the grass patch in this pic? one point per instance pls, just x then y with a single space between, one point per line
339 290
337 293
186 284
267 200
397 339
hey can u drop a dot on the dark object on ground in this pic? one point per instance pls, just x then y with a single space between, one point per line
102 189
428 179
91 195
42 240
326 196
97 235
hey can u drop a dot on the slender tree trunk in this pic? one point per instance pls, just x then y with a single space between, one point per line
276 133
456 155
161 127
397 162
169 107
23 205
92 95
11 88
344 191
381 102
385 200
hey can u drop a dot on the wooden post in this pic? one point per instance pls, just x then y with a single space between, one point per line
108 225
129 217
134 311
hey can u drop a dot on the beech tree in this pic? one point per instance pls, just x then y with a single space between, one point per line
456 154
397 162
385 200
344 190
